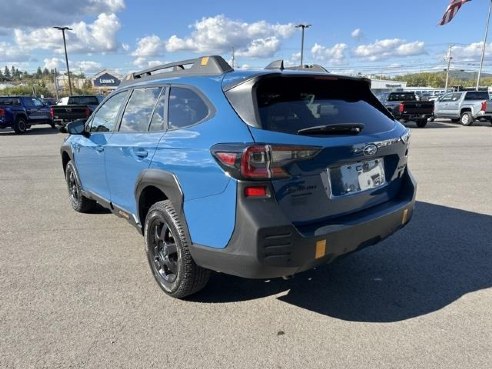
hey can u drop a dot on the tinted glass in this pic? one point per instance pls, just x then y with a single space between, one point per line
477 95
104 120
9 101
289 104
158 122
84 100
185 108
138 111
402 97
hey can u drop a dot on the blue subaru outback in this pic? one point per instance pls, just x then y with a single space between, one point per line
258 174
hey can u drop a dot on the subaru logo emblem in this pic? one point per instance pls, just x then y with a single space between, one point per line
370 150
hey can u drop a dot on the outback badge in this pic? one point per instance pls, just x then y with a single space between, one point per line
370 150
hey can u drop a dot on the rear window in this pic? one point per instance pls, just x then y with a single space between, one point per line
289 104
477 95
9 101
402 97
84 100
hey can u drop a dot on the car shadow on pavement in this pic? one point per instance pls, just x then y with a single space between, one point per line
443 254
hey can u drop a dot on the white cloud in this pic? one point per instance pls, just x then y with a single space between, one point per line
220 34
149 46
99 36
469 53
12 53
388 48
30 14
357 34
330 55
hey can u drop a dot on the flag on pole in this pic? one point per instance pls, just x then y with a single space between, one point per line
451 11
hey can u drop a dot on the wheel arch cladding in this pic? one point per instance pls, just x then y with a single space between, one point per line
157 185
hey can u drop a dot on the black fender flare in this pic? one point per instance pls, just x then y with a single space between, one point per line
166 182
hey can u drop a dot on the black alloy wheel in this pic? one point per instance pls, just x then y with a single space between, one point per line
78 201
168 254
20 126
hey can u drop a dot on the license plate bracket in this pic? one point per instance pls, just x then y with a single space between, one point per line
357 177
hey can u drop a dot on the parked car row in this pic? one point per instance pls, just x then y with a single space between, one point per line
465 107
22 112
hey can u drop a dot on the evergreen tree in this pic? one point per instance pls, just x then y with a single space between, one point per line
39 72
46 72
6 72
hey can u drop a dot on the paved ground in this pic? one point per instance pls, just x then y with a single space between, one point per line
76 290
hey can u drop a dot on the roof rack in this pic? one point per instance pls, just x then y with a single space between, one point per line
204 65
279 64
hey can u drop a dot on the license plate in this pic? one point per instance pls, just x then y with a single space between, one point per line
357 177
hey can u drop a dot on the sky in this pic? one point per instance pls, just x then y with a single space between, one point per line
379 37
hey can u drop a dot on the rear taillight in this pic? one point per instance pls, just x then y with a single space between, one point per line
260 161
401 108
484 105
52 113
87 112
2 112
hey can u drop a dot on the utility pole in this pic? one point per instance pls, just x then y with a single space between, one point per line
302 27
56 85
233 57
483 46
447 70
63 29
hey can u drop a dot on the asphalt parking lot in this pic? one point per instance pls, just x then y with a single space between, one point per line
76 290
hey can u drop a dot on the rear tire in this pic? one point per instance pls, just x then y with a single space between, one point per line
466 119
79 202
168 254
421 123
20 126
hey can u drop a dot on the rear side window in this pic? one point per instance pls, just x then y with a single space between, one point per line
138 111
186 108
289 104
84 100
477 95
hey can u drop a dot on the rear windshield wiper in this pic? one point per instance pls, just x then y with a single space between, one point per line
333 129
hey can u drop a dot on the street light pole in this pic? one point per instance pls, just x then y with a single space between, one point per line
302 27
63 29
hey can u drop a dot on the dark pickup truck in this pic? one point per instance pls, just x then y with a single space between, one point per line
72 108
21 112
405 106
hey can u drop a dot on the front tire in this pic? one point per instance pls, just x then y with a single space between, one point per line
79 202
20 126
168 253
421 123
466 119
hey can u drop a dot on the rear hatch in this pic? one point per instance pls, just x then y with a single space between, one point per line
335 149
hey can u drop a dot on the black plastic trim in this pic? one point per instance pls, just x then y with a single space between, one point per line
265 244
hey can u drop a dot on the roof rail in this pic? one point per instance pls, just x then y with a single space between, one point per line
204 65
279 64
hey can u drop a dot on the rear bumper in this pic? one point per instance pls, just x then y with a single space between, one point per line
266 245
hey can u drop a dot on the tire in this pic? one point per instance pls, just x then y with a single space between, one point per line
53 125
20 126
79 202
168 253
421 123
466 119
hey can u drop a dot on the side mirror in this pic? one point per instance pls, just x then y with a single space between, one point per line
77 127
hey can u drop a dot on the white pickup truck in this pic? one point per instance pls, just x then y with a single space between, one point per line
464 106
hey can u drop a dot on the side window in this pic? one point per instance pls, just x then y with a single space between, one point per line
28 102
138 111
186 108
37 103
447 97
104 120
158 122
